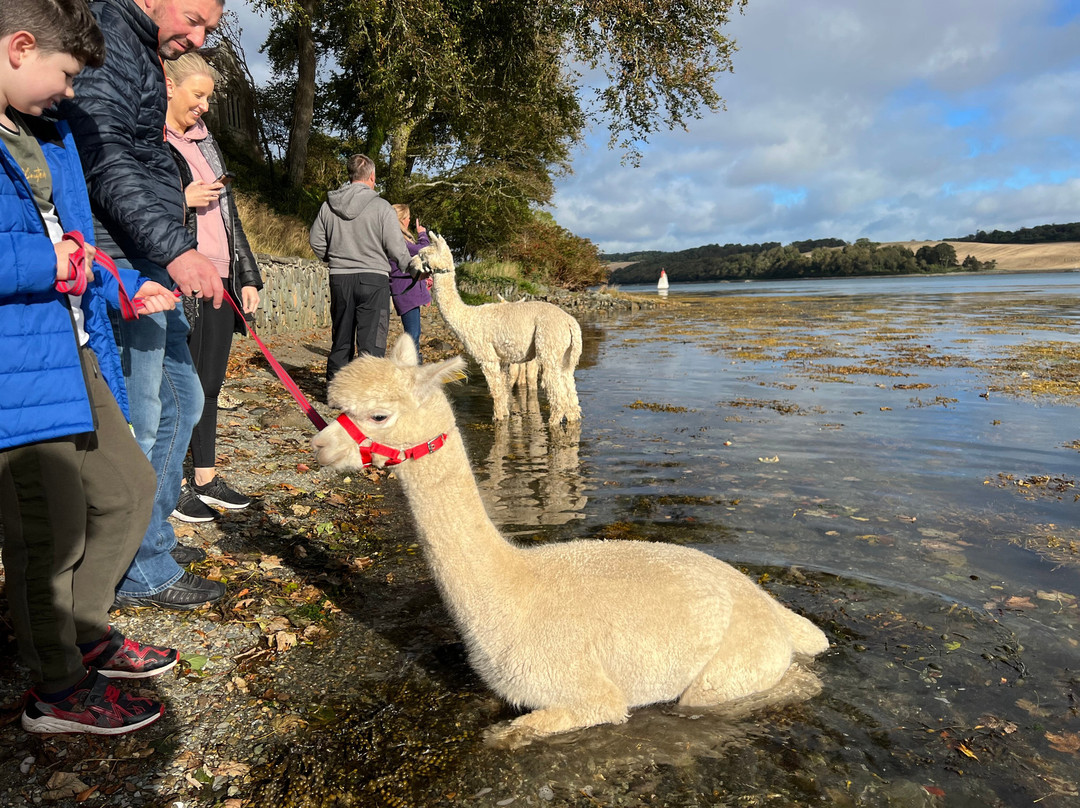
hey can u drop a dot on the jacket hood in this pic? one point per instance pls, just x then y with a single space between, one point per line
350 200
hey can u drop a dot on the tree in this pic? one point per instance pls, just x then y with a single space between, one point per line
415 62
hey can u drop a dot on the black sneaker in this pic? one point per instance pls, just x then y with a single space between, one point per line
96 707
189 508
184 554
190 592
216 492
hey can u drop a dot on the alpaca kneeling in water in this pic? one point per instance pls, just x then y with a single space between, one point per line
577 632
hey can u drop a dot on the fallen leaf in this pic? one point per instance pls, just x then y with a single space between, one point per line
231 769
271 562
1068 742
284 640
1032 708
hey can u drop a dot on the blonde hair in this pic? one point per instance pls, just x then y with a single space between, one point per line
188 65
403 215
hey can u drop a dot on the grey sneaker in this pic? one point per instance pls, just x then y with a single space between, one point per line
216 492
189 508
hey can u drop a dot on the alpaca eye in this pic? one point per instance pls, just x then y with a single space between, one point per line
379 418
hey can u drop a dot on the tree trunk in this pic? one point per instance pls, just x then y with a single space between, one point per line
304 104
399 148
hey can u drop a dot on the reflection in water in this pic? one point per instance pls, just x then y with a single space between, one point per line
531 476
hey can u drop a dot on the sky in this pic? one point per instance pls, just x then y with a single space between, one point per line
920 119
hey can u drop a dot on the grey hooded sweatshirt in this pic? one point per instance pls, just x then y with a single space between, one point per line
358 231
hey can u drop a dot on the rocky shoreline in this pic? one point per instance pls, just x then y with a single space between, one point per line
331 622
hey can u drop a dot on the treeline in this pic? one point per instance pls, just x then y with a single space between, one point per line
773 261
1041 234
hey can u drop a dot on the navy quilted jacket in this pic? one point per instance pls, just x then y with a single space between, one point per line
118 117
43 393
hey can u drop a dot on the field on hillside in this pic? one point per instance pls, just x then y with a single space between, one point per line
1057 255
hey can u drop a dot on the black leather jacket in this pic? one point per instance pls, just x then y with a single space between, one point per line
243 268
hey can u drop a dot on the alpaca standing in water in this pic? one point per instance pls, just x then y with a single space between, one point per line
577 632
501 335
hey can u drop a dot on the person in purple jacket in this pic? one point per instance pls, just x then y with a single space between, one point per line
409 292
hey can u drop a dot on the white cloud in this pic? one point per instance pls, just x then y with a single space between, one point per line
850 118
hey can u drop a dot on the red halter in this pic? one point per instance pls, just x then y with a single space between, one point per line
393 456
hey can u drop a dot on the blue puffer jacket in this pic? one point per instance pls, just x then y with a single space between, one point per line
43 393
118 117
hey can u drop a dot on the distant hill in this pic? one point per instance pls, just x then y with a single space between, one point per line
1041 234
835 257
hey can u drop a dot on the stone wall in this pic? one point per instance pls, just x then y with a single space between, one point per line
295 295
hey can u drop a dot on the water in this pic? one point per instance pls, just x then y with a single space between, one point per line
894 458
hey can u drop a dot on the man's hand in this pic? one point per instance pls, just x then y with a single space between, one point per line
201 193
155 297
196 276
64 250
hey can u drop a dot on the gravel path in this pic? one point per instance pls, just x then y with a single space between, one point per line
329 609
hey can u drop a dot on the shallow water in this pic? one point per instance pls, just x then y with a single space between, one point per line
894 458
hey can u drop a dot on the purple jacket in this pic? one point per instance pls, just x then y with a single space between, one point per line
409 292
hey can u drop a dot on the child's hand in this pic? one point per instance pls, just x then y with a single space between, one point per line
200 193
64 250
155 298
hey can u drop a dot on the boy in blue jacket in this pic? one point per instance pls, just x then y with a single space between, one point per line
75 489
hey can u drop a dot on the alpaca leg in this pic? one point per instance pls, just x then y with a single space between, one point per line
754 656
606 704
551 379
573 406
496 380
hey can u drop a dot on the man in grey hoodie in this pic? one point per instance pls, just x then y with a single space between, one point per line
357 233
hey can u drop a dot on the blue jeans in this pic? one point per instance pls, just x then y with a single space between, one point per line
410 323
166 401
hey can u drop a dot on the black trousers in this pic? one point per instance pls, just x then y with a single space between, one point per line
210 341
360 317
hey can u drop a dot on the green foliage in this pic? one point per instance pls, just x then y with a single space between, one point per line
769 261
1041 234
556 255
941 255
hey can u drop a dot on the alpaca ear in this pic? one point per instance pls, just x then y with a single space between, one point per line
451 370
404 352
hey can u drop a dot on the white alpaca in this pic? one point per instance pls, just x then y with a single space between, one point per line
577 632
500 335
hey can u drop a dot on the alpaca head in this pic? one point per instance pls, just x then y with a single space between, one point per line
436 258
394 401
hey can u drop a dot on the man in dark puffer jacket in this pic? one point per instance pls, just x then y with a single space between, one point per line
118 118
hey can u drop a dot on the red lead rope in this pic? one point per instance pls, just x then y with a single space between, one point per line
394 456
76 279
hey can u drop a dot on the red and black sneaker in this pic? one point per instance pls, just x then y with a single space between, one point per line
96 707
117 657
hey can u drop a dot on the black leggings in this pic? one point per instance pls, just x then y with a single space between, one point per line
210 341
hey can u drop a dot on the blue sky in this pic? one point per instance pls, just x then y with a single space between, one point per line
851 118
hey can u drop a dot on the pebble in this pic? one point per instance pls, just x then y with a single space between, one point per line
546 793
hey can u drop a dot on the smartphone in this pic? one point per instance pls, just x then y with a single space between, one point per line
225 178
